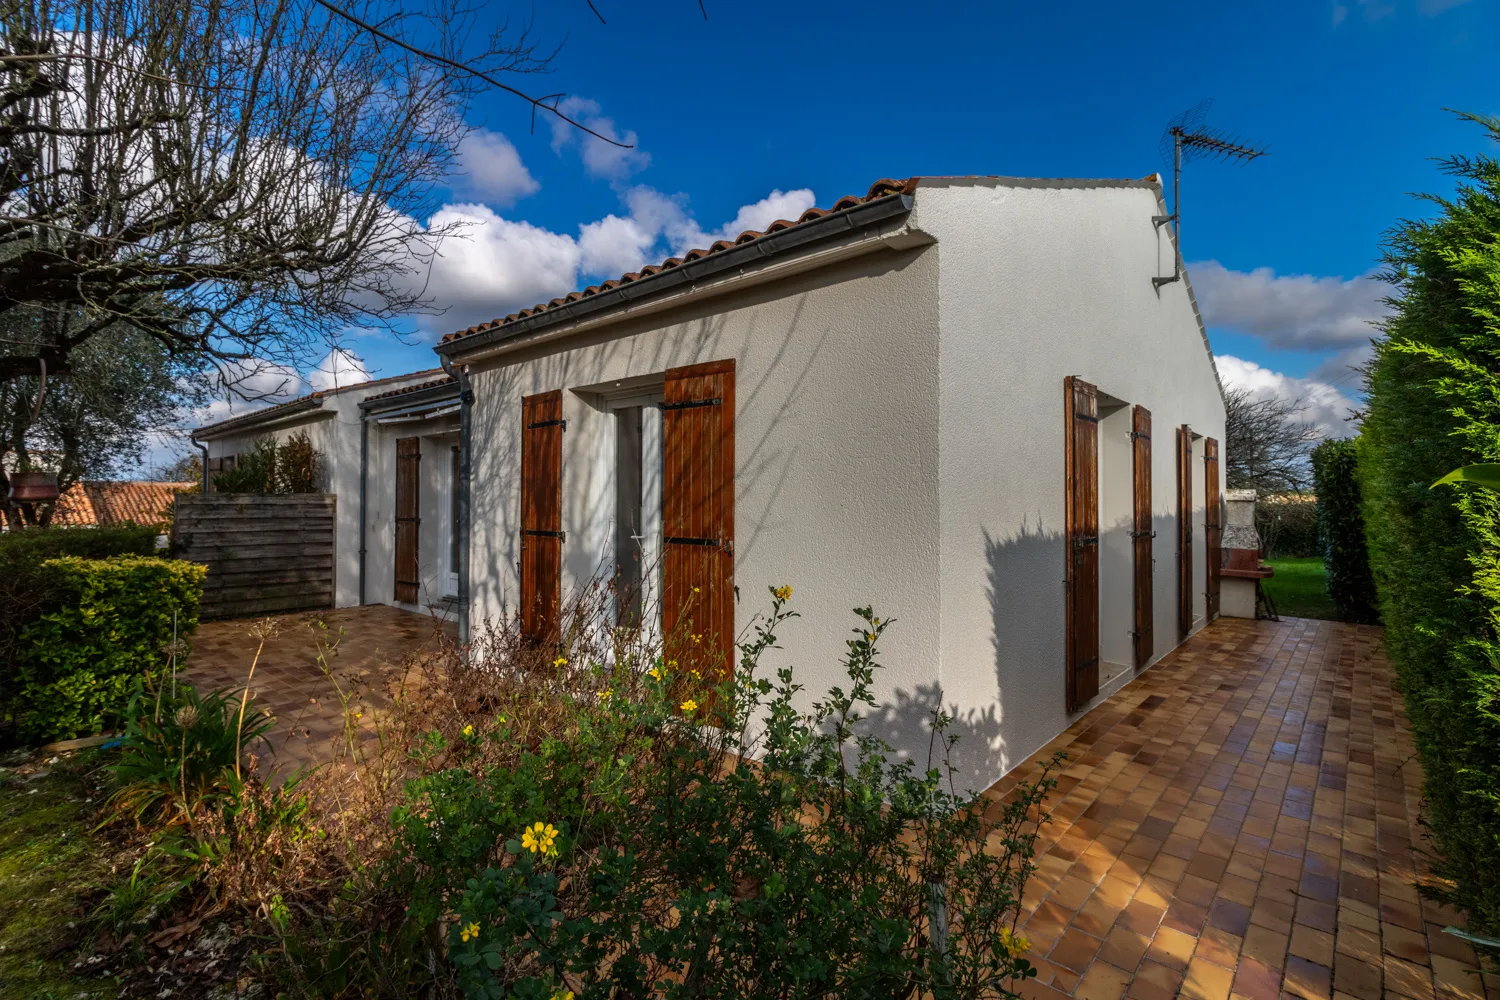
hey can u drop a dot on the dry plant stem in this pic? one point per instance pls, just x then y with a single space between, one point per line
239 726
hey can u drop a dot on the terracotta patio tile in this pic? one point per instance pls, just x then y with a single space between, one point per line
1457 980
1404 943
1307 979
1124 948
1172 948
1356 977
1312 944
1407 978
1254 980
1267 945
1075 950
1155 982
1102 982
1206 981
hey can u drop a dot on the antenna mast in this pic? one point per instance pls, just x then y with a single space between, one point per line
1187 138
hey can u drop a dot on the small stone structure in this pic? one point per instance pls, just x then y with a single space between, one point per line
1242 570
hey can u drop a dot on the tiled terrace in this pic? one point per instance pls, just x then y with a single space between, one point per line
1242 821
364 647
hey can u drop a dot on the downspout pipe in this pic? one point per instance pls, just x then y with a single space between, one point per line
465 422
364 478
203 447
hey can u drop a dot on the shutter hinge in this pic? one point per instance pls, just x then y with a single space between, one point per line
727 544
544 533
1138 436
1085 416
547 423
691 403
1143 534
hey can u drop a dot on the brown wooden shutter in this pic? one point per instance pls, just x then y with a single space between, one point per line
1213 527
408 519
542 427
1145 630
1184 532
1082 519
698 516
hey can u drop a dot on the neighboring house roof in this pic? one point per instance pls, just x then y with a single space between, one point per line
96 503
880 190
407 390
312 401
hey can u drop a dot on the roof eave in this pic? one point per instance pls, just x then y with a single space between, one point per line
756 251
412 400
260 418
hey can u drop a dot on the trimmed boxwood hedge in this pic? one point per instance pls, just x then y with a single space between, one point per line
1341 531
110 624
1434 405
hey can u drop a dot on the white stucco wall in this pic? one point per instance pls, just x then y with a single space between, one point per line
1036 282
836 456
900 443
334 430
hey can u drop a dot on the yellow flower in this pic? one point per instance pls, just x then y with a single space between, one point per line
869 637
561 661
696 674
470 932
468 730
695 590
654 673
605 694
562 995
782 593
690 706
1015 945
697 638
540 838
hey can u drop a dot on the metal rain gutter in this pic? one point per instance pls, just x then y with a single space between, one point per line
754 252
460 376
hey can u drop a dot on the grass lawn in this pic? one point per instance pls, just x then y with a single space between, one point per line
50 869
1297 588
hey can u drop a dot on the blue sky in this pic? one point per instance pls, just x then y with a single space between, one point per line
739 116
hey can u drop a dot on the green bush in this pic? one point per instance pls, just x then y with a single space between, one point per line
290 467
24 589
112 622
1288 526
1341 531
640 851
1434 405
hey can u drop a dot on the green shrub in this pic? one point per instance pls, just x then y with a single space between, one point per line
1341 531
653 846
111 623
1434 405
25 589
1288 526
290 467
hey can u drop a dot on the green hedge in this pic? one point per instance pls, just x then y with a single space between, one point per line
111 624
24 590
1341 531
1434 405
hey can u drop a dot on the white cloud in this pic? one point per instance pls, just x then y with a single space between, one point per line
1291 311
338 370
1327 405
493 266
600 158
494 169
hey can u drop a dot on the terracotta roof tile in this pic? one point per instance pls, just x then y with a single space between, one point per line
879 189
409 389
100 503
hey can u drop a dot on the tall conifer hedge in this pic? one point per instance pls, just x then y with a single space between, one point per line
1434 405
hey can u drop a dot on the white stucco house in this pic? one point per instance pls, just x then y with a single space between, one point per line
982 405
383 445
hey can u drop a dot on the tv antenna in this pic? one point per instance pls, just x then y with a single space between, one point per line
1187 138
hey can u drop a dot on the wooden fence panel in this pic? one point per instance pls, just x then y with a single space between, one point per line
265 554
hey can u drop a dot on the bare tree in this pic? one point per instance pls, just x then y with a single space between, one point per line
1266 443
239 179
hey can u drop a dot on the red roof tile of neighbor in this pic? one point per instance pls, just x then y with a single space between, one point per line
880 189
99 503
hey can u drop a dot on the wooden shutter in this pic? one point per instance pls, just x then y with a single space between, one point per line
1184 532
698 516
408 517
1213 526
542 427
1082 519
1145 631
